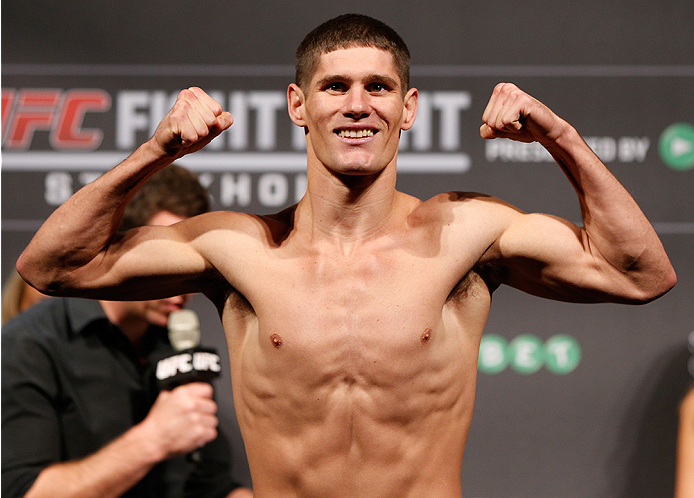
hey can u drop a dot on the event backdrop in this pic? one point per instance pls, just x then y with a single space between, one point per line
573 400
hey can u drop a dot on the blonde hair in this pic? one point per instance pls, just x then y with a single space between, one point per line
17 296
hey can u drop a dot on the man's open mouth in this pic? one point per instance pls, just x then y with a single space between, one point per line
364 133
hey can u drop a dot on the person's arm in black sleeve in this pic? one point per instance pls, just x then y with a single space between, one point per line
30 428
31 444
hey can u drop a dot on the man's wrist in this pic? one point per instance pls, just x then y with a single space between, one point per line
153 152
563 136
146 446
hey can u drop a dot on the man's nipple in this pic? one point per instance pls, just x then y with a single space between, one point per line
276 340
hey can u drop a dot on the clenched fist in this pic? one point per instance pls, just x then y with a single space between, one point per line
192 123
512 113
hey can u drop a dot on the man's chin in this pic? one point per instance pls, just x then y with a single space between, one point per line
159 319
359 168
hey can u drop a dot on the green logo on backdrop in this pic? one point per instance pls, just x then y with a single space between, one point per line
526 354
562 354
676 146
493 358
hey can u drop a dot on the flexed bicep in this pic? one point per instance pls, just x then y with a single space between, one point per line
615 256
551 257
148 262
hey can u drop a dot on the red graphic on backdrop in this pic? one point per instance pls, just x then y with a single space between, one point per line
59 112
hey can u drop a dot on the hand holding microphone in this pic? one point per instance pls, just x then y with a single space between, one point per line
183 417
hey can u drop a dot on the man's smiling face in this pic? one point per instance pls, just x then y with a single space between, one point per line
354 109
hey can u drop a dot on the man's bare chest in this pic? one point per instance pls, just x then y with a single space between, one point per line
386 301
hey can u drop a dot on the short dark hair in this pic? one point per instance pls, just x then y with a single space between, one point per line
173 189
345 31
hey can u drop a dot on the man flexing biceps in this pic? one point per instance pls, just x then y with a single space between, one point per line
354 317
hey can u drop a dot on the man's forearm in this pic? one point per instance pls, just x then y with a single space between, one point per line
82 227
109 472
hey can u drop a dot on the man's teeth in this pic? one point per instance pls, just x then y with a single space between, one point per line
356 133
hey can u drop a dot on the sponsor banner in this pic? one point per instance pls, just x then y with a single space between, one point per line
81 121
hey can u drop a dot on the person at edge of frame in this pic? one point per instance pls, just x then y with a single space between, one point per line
81 412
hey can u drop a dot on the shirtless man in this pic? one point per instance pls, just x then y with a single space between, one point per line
354 317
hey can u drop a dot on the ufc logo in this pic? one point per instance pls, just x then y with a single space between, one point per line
62 113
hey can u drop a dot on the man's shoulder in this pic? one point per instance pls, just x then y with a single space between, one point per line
464 219
34 330
243 223
54 318
455 202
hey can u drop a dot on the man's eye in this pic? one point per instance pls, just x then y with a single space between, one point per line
335 87
378 87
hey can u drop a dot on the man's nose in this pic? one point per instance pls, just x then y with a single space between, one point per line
357 105
181 300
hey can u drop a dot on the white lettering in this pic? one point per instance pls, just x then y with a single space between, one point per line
633 149
165 369
525 355
184 362
128 118
450 104
238 133
608 149
57 188
204 361
560 351
168 367
266 104
235 189
206 179
300 185
139 112
492 353
273 189
510 151
604 147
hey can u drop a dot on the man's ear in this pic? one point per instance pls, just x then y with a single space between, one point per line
295 104
410 111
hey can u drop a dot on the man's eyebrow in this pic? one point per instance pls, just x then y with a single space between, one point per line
331 78
391 82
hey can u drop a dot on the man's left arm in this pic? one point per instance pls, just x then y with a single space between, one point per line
616 255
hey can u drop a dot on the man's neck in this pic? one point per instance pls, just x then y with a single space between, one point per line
133 327
348 207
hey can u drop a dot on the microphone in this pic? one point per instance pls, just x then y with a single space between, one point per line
191 363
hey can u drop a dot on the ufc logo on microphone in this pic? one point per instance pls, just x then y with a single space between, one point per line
168 367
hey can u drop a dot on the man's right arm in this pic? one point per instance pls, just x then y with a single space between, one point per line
77 249
179 422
